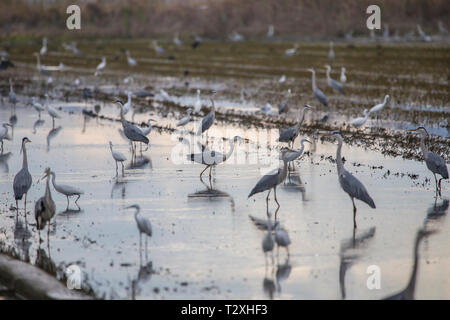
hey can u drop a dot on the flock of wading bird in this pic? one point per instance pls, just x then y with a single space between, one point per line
45 206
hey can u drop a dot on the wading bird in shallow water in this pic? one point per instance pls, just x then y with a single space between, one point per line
143 224
45 208
291 156
101 66
211 158
359 122
267 241
349 183
434 162
282 238
208 120
66 190
343 76
131 62
22 180
377 108
272 180
12 95
185 120
317 92
331 82
4 132
290 134
117 156
331 51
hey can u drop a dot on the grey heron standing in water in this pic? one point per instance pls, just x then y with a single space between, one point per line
132 132
51 111
317 92
45 207
143 224
4 132
290 134
210 158
22 180
12 95
434 162
349 183
66 190
272 180
331 82
208 120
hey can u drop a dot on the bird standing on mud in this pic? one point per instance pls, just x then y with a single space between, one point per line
331 82
66 190
352 186
434 162
22 180
143 224
45 207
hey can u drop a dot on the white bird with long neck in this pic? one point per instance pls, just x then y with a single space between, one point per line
331 51
185 120
198 103
100 66
177 40
117 156
127 106
359 122
143 224
12 95
66 190
131 62
343 76
146 130
37 106
44 47
349 183
377 108
45 208
22 180
51 111
296 153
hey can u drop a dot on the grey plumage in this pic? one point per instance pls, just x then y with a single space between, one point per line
208 120
22 180
317 92
290 134
45 207
267 182
335 85
131 131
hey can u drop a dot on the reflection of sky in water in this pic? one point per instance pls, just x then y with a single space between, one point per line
203 241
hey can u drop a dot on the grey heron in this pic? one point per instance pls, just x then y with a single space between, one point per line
331 51
117 156
291 156
349 183
267 108
143 224
290 134
283 107
377 108
45 207
185 120
408 292
282 238
272 180
343 76
100 66
22 180
4 132
132 132
331 82
12 95
210 158
360 121
131 62
66 190
44 47
208 120
434 162
317 92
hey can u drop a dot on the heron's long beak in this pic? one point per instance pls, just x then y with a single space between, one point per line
129 207
308 141
42 178
411 130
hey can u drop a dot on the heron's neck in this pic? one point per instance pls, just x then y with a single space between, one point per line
11 87
230 152
25 158
48 195
328 74
129 98
313 80
340 165
283 170
300 121
53 180
423 146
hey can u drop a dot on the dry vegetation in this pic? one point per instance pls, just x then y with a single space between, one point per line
138 18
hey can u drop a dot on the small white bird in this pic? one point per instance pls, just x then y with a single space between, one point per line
158 49
282 79
131 62
101 66
292 51
343 76
271 31
185 119
66 190
44 47
117 156
37 106
359 122
377 108
51 111
127 106
267 108
331 51
291 156
198 102
143 224
165 95
177 41
282 238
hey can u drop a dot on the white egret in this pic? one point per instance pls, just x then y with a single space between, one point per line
131 62
66 190
185 120
198 103
143 224
343 76
377 108
117 156
100 66
359 122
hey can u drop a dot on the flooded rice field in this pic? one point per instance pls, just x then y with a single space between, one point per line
207 233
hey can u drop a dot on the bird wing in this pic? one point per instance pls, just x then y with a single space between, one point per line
266 182
337 86
287 134
22 183
355 188
119 156
70 190
207 122
436 164
135 134
321 97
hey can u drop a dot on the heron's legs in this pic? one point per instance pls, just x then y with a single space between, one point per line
116 167
140 241
276 200
77 199
123 169
146 250
17 208
210 168
25 205
53 123
203 171
440 189
354 214
267 201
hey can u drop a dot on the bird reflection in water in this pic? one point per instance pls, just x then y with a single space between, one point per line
350 253
38 123
22 239
13 122
119 184
144 275
269 286
51 135
294 183
283 272
408 292
211 193
4 158
45 262
140 162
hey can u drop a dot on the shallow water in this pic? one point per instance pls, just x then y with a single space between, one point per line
204 244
